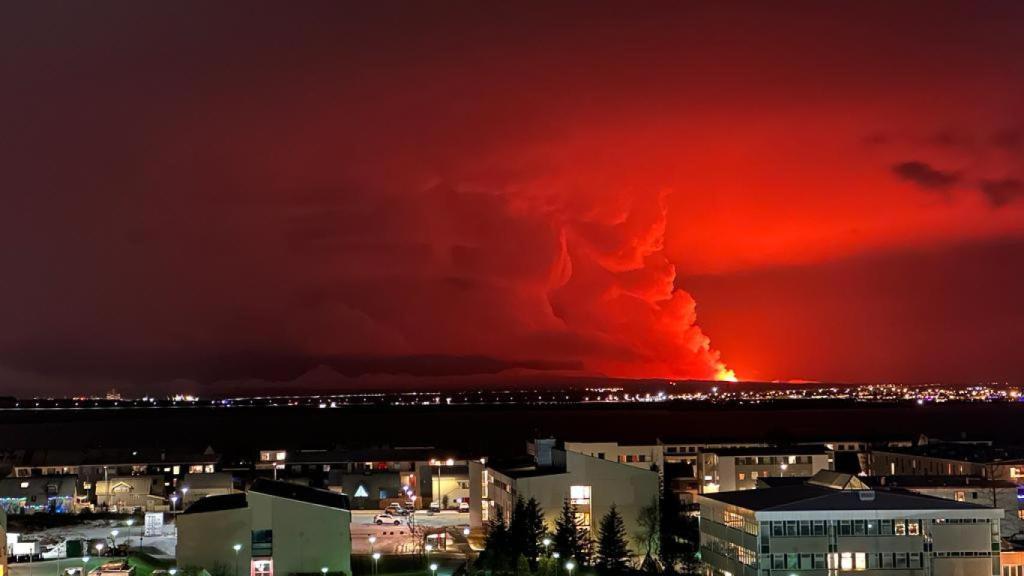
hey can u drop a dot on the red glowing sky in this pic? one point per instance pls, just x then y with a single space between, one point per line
202 192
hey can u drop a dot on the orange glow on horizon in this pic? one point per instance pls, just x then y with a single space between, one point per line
725 375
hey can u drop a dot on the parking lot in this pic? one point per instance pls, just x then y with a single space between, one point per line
403 538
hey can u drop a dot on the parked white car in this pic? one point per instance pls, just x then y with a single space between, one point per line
386 519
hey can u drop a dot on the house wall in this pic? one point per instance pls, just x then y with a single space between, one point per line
205 540
306 536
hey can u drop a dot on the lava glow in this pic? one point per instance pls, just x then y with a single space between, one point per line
726 375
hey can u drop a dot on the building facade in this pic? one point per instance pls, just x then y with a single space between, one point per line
729 469
278 527
817 528
554 475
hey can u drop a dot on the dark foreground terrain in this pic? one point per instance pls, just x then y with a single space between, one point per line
501 429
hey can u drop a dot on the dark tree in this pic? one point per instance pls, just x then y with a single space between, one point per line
497 556
567 534
518 529
535 531
613 548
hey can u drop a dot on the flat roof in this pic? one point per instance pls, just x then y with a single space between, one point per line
300 493
963 452
218 503
807 497
770 450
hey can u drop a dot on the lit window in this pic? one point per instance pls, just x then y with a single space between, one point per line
280 456
912 528
24 484
742 476
579 492
262 568
846 561
900 528
958 496
860 561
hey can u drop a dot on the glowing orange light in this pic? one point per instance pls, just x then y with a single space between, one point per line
725 375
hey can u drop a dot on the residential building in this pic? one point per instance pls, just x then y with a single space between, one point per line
131 494
940 458
46 494
280 528
645 456
729 469
833 524
553 475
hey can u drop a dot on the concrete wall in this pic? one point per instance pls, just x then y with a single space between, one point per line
628 487
306 536
205 540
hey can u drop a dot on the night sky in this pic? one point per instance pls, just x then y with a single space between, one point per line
198 191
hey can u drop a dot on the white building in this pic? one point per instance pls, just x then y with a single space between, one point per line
728 469
554 475
278 527
832 525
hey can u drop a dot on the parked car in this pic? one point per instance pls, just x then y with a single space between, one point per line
386 519
463 506
396 509
434 508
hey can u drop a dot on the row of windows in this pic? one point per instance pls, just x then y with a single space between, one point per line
844 528
1017 570
772 460
728 549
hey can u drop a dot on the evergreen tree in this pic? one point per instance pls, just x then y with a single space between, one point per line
613 549
496 555
518 529
535 530
567 534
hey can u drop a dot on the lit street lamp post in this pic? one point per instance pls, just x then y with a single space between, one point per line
373 540
130 522
174 500
376 557
433 569
324 570
569 566
236 548
546 542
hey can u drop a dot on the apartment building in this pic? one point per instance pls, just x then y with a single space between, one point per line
551 475
729 469
931 458
834 524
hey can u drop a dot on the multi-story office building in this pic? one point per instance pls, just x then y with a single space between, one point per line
833 524
729 469
275 527
551 476
3 539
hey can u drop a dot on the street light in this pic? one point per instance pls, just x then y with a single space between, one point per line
373 540
546 542
113 538
172 571
323 570
174 500
236 548
428 547
433 569
375 556
465 532
569 566
99 549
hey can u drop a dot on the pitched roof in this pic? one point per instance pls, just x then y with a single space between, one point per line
64 486
300 493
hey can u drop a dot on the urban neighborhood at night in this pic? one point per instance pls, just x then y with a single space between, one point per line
535 288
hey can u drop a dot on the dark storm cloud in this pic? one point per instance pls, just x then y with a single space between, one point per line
1001 192
925 176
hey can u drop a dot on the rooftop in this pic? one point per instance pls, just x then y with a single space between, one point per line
218 503
831 491
770 451
300 493
964 452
